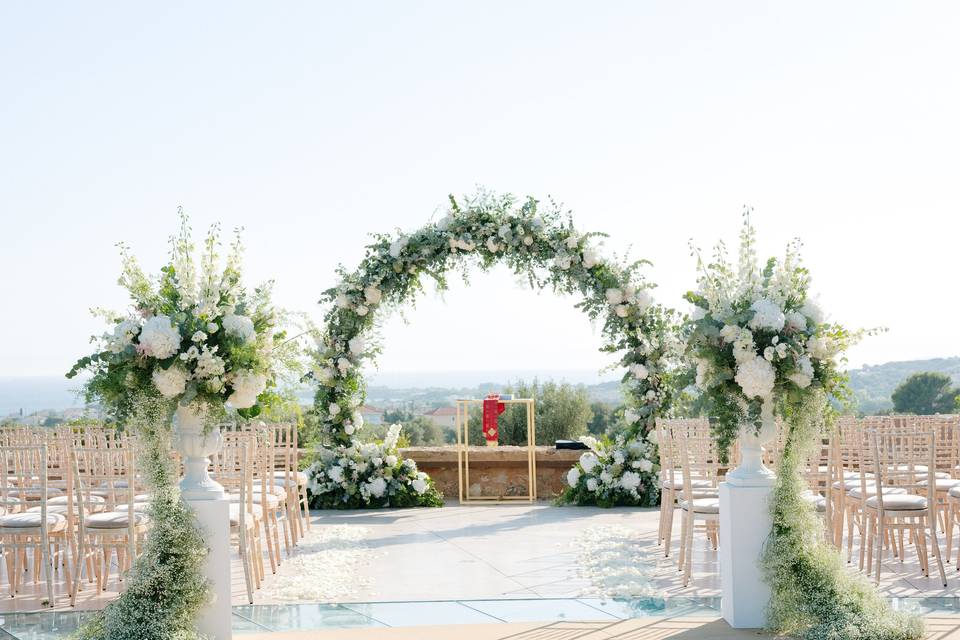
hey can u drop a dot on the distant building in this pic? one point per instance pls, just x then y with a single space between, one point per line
371 415
443 416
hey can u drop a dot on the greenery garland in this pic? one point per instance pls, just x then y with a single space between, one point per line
166 587
538 243
814 596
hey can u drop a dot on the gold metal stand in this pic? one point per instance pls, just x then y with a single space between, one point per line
463 453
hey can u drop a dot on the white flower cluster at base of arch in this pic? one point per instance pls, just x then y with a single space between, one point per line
537 242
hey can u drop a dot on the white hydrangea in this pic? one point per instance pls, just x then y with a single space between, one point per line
209 365
812 310
357 345
377 487
391 460
730 332
420 484
767 314
639 371
336 473
756 377
573 476
646 465
618 457
247 385
123 335
239 327
159 338
803 376
606 477
170 382
820 348
588 461
592 484
630 480
796 321
653 437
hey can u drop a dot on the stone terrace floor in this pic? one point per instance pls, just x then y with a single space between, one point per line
458 564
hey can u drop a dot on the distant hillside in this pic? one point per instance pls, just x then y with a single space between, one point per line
874 384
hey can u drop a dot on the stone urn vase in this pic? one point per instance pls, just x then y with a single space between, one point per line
751 471
194 445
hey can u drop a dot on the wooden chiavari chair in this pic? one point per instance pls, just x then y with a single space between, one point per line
671 476
698 462
233 469
898 458
287 475
23 473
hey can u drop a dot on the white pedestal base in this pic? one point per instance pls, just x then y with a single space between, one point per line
744 527
213 516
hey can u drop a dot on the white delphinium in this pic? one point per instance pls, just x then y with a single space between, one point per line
704 368
756 377
170 382
247 386
159 338
239 326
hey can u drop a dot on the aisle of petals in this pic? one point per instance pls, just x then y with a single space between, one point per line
327 566
615 562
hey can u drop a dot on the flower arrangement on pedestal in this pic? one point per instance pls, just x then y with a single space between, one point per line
764 350
373 474
537 243
194 343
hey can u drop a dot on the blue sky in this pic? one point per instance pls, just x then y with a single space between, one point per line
313 124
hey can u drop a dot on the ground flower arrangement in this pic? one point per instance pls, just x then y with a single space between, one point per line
540 244
370 474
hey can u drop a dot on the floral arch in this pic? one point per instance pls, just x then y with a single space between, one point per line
540 243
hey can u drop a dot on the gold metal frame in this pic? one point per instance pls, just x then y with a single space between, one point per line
463 453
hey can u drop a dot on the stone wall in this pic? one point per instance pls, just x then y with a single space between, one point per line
496 471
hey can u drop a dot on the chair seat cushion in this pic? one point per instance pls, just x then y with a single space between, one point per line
33 520
138 507
63 509
35 492
900 502
257 498
819 502
300 476
677 484
942 484
702 505
251 517
872 491
280 492
142 497
92 500
115 520
954 492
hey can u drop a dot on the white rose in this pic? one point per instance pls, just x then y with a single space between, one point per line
170 382
342 301
348 429
344 365
240 327
246 387
639 371
209 365
528 240
573 241
590 258
372 295
199 336
562 262
333 409
573 476
492 245
730 332
621 310
159 338
766 315
756 377
614 296
642 300
769 353
362 310
212 327
123 335
653 437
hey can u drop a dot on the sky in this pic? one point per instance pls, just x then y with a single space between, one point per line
313 124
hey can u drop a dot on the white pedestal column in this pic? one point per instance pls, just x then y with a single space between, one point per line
744 527
213 516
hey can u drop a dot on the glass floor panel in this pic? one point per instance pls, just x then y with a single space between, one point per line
58 625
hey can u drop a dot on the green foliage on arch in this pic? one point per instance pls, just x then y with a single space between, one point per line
539 243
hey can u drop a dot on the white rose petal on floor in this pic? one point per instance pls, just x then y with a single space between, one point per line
326 566
616 562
